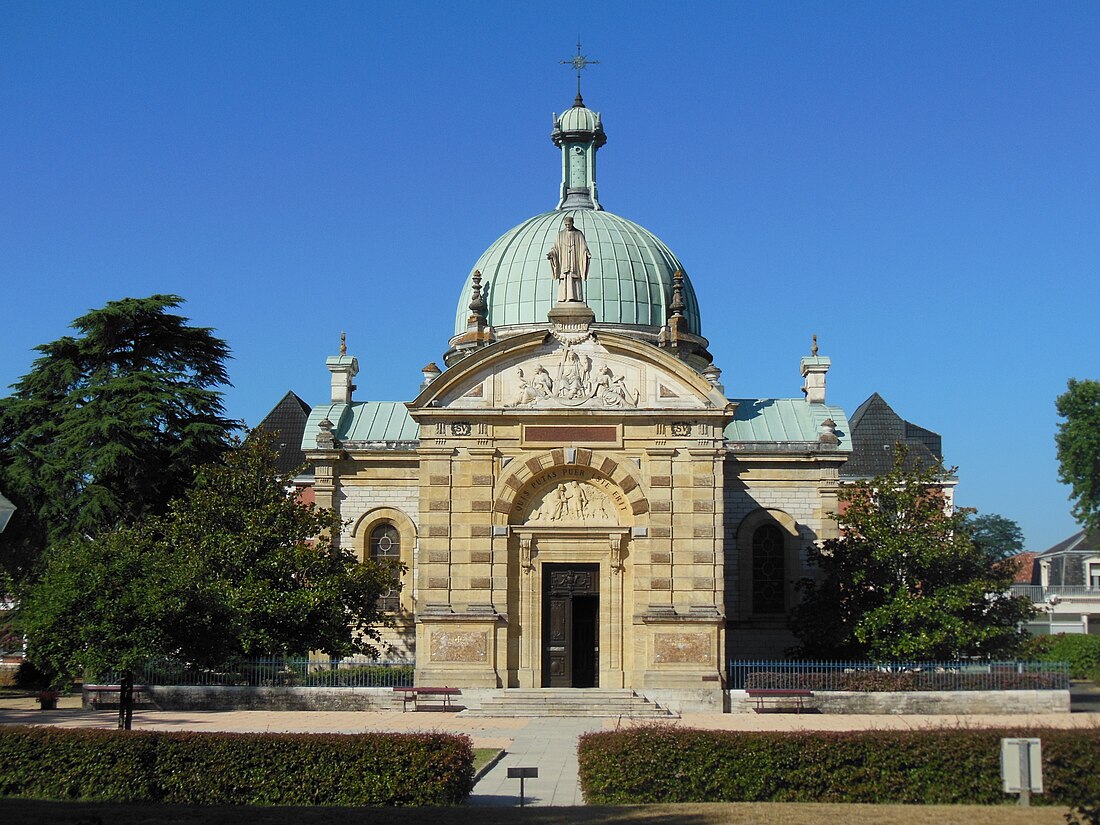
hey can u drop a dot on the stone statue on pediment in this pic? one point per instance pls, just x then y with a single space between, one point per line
569 257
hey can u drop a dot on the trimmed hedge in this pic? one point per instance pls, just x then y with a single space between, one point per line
235 769
1081 650
935 767
875 680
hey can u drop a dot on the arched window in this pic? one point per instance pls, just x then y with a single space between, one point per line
385 546
768 570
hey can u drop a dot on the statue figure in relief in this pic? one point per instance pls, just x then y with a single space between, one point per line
525 392
542 381
573 375
578 500
612 390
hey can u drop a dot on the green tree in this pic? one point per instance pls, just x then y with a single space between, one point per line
998 536
104 604
1078 442
236 568
905 580
108 425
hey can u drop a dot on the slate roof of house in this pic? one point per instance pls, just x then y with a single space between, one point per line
876 428
287 420
1079 542
783 421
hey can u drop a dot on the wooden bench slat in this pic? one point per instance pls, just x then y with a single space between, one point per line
762 695
416 695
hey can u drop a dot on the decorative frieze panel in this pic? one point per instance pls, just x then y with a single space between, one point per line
682 648
572 378
458 646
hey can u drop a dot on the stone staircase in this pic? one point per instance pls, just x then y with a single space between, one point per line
582 702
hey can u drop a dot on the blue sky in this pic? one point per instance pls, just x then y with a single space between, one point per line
917 183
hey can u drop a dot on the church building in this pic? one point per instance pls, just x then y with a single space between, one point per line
576 499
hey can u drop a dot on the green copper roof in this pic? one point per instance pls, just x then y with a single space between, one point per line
786 421
362 421
629 277
778 422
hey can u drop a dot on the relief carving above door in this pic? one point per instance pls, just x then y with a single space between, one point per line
574 503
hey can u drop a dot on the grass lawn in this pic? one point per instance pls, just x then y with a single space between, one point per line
31 812
483 756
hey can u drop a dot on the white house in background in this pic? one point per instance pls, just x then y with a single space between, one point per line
1065 585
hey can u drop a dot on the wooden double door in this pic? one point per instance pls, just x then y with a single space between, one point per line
571 627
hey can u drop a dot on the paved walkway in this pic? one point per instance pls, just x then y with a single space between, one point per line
547 744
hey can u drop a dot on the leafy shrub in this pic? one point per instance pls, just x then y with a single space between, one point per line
1084 815
229 769
1081 650
29 677
362 676
958 766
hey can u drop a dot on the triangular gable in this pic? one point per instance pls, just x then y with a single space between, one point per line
605 372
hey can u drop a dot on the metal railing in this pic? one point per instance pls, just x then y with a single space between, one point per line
1038 593
289 672
872 676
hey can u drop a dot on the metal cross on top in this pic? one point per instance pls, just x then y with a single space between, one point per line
579 62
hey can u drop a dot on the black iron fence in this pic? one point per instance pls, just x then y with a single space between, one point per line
874 676
348 673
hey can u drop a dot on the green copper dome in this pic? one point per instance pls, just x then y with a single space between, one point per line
629 277
578 119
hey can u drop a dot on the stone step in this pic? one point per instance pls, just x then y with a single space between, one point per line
582 702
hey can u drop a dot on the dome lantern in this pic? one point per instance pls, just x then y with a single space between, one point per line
579 133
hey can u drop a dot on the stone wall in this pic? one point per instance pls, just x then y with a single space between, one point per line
355 500
164 697
797 496
918 702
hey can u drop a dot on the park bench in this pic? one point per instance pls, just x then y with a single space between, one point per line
102 695
784 699
426 698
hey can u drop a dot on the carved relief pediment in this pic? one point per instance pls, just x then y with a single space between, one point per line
573 504
600 372
580 378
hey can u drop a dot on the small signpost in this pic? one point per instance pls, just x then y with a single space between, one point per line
1022 767
521 774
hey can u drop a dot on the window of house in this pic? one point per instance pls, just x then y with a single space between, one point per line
768 570
1094 575
385 546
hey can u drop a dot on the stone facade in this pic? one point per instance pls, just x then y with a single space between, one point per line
639 491
576 499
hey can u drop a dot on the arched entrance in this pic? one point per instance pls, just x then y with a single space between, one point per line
570 540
